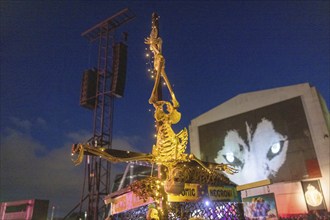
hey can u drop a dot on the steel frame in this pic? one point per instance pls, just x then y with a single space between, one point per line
98 170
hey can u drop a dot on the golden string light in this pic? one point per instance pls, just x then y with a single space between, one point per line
149 63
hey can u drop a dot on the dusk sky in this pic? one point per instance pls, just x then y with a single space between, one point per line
214 51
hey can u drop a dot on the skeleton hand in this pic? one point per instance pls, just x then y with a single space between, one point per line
227 168
77 149
147 40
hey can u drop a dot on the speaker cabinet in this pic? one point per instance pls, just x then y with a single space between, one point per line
88 89
119 69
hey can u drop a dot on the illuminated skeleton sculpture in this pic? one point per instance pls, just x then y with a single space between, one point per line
170 147
155 43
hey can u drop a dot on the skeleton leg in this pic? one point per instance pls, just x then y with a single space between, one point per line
174 100
160 71
154 94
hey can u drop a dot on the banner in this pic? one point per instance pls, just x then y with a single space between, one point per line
313 195
260 207
222 193
126 202
189 193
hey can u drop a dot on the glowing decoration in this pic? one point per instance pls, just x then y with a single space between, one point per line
170 147
155 43
313 196
206 202
153 213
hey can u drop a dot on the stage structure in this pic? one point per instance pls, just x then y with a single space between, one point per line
100 86
185 187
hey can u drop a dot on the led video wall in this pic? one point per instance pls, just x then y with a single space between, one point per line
272 142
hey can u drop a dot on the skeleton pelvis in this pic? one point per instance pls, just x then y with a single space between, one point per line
173 187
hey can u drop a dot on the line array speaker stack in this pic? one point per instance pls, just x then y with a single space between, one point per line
88 89
119 69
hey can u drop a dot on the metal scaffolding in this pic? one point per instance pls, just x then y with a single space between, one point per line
98 170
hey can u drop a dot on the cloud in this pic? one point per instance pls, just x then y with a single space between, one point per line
78 136
41 122
26 125
26 173
22 124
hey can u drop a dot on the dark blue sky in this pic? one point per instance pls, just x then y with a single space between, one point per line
214 51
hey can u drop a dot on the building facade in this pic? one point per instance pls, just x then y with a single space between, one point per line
280 135
32 209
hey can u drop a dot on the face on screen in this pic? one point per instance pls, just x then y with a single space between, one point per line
272 142
257 155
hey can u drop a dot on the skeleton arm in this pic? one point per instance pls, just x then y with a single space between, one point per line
114 156
227 168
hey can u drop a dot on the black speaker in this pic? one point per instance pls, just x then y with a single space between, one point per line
119 69
88 89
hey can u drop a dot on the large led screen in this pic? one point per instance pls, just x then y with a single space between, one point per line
272 142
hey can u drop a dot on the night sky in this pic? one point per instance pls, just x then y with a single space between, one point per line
214 50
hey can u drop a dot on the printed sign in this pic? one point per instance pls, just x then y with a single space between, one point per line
260 207
313 195
221 193
189 193
126 202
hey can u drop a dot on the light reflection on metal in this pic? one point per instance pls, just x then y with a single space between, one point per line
156 44
170 147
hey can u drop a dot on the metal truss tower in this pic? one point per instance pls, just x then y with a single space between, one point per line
98 170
